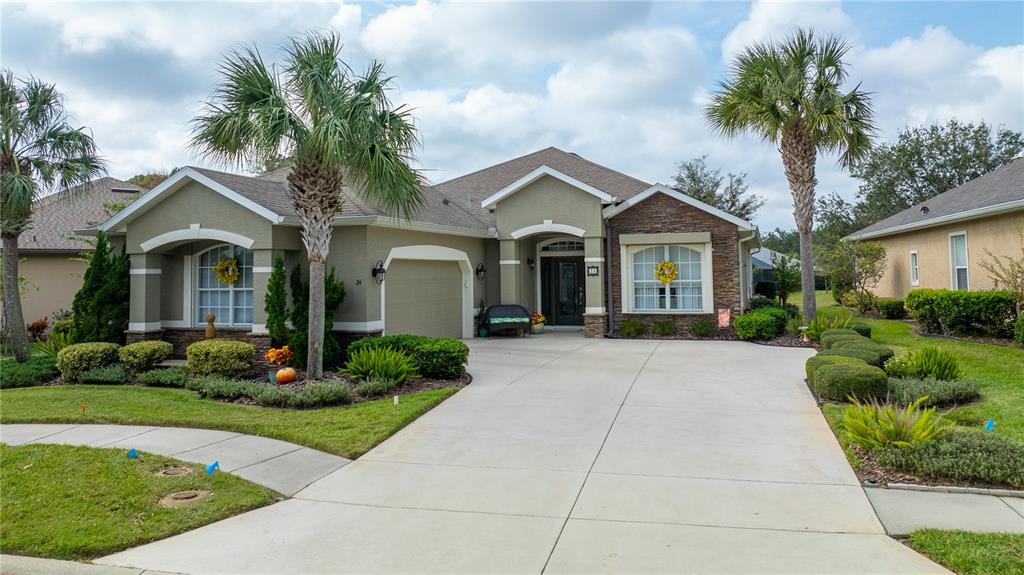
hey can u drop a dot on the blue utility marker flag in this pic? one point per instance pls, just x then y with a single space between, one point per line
133 454
990 424
212 467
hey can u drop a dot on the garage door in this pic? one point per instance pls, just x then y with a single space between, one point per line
423 298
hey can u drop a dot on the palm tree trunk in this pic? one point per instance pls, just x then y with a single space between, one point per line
13 316
315 357
798 157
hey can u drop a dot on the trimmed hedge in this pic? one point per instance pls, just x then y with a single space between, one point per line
816 362
868 356
74 359
890 308
318 394
227 357
967 455
144 355
827 341
435 357
109 375
861 328
884 353
962 312
838 382
762 323
905 391
36 371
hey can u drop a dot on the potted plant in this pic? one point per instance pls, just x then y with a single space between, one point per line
537 322
279 356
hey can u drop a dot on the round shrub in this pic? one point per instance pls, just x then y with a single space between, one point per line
761 323
819 360
827 341
884 353
839 382
861 328
868 356
905 391
973 455
890 308
74 359
442 358
227 357
144 355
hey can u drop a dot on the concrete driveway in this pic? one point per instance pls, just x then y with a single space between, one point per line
569 455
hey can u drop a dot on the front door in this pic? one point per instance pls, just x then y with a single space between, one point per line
561 284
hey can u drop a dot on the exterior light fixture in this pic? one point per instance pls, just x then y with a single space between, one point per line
531 263
481 271
378 272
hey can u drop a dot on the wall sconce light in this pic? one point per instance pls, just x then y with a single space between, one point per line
481 271
531 263
378 272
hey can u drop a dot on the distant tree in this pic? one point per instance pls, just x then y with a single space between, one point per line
835 218
149 181
926 161
275 163
695 179
859 265
793 94
782 241
786 272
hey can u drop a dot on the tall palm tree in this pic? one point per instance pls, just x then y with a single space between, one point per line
40 152
790 93
337 126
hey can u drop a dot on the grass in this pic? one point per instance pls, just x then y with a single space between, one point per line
972 553
69 502
349 431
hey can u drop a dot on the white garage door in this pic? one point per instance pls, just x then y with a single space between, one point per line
423 298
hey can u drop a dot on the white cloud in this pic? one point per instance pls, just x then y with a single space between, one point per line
772 19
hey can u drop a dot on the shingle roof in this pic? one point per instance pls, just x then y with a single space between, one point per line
56 216
1004 185
469 190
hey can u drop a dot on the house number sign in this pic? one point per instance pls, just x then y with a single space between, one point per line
592 271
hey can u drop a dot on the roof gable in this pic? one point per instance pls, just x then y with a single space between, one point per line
539 173
612 211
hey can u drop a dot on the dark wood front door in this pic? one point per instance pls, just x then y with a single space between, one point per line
561 285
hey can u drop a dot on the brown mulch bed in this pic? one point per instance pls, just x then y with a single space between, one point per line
410 386
724 335
872 473
788 340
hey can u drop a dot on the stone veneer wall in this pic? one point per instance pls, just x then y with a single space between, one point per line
662 214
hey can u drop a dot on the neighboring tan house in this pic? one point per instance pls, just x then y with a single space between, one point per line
550 231
50 252
940 242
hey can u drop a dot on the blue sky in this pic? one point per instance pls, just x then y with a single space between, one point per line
623 84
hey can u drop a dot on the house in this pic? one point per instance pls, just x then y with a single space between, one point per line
940 242
549 230
49 249
762 258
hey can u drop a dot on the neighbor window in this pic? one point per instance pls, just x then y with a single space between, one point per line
683 294
231 304
914 278
958 260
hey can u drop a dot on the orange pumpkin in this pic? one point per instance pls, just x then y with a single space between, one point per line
286 375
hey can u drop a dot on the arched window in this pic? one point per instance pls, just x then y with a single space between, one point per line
683 294
231 304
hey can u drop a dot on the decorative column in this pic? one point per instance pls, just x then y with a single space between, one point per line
509 259
595 316
262 266
144 298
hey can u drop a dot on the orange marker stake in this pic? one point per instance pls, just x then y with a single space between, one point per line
83 408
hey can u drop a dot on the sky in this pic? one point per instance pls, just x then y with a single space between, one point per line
623 84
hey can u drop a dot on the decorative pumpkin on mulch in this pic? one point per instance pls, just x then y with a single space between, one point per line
286 375
226 271
666 272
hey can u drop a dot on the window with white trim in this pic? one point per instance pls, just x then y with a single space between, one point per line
685 293
915 279
958 260
230 303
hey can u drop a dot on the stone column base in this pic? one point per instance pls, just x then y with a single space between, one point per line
595 324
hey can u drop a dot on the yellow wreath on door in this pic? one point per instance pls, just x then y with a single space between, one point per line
666 272
227 271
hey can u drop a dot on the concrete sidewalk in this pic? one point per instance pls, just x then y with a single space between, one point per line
281 466
569 455
903 511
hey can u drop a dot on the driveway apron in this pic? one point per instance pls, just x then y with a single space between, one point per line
569 455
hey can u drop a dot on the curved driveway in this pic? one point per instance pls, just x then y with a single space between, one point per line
573 455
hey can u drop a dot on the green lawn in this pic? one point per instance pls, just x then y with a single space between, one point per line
71 502
349 431
972 553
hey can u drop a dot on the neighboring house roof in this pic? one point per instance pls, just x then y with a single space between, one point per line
55 217
762 257
471 190
998 191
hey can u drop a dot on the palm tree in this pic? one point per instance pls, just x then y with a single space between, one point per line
337 126
39 153
791 94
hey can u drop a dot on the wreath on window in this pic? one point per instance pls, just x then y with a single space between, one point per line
666 272
227 271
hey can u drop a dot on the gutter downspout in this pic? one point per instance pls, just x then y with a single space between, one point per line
608 281
744 296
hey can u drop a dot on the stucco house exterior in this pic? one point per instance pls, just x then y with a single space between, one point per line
549 230
49 249
939 243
